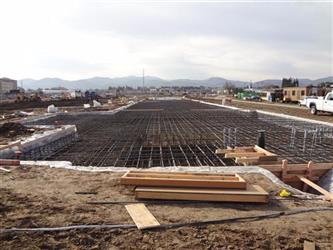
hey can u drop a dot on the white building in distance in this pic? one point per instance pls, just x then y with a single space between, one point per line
6 85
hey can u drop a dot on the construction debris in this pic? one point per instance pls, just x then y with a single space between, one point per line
52 109
12 129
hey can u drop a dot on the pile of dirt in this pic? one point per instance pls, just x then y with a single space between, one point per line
12 129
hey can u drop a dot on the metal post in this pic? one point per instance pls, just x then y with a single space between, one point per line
261 138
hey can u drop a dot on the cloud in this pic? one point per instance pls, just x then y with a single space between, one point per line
246 41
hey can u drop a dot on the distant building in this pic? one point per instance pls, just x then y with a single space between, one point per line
295 94
270 95
289 83
7 85
76 94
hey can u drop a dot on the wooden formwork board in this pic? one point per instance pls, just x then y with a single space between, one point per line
291 171
321 167
183 179
253 193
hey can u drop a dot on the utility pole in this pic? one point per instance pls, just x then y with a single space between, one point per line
143 80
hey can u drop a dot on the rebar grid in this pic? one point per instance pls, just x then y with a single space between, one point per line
183 133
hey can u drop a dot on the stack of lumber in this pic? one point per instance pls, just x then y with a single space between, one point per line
249 155
193 186
295 175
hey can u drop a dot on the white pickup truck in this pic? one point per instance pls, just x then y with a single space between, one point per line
324 104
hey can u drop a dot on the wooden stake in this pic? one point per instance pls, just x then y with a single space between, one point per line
284 169
308 175
308 245
328 195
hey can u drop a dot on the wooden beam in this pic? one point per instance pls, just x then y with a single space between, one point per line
264 151
178 179
328 195
284 169
247 160
179 172
141 216
309 173
254 193
243 154
234 150
137 181
180 175
244 149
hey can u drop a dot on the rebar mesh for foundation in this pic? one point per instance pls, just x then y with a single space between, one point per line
184 133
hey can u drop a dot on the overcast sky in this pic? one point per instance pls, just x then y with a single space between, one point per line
241 41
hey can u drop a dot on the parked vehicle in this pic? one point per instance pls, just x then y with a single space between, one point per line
324 104
305 100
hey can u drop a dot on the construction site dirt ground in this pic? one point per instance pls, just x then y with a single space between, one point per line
287 109
45 197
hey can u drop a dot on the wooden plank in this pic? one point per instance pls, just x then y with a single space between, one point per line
141 216
328 195
308 245
234 150
253 194
180 176
295 178
247 160
268 158
137 181
264 151
182 173
243 154
180 179
244 149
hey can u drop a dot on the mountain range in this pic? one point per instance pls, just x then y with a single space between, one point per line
150 81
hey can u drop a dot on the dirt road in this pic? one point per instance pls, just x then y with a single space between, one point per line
280 108
44 197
